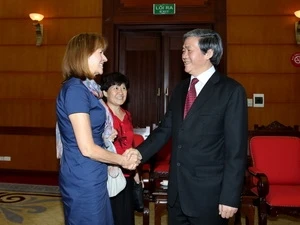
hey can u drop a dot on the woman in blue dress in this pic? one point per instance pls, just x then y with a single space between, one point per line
81 121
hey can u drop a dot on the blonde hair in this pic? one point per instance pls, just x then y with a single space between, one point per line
79 49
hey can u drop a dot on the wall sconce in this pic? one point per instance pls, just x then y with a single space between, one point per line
36 17
297 27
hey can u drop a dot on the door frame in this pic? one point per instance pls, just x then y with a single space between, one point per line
116 16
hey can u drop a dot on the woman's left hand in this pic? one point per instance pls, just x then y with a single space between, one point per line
113 135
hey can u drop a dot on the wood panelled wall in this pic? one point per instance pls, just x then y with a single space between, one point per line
261 41
31 75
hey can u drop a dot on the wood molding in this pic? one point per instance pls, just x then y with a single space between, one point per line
138 3
29 177
31 131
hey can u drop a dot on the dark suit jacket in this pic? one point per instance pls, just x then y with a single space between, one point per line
209 146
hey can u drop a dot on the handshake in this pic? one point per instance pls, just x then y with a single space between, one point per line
132 158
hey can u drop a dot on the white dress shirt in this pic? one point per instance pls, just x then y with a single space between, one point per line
203 78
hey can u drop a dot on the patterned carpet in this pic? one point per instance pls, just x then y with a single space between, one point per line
41 205
30 205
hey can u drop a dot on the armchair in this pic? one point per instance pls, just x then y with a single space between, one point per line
275 175
159 165
144 169
275 128
161 162
156 168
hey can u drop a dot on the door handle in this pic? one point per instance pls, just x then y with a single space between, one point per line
167 92
158 92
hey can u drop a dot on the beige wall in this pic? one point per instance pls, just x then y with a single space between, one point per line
260 43
31 75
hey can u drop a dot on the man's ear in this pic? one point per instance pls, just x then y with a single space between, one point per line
209 53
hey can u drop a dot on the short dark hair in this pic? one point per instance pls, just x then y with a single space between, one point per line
208 39
114 78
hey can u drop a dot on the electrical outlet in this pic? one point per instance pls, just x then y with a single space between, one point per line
250 102
258 100
6 158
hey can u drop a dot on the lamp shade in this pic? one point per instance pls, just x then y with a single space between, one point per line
297 13
36 16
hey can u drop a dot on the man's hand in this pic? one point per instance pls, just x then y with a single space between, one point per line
132 159
132 152
226 211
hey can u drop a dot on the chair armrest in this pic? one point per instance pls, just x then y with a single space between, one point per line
262 184
254 171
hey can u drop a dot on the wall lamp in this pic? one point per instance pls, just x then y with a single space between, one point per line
36 17
297 27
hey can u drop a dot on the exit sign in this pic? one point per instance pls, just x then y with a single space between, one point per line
164 9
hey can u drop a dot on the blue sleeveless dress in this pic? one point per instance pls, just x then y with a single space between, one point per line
82 181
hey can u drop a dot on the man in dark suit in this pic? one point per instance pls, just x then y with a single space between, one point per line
209 143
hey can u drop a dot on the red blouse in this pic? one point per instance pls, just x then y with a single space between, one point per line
124 140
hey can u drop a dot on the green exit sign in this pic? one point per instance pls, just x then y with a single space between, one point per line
164 9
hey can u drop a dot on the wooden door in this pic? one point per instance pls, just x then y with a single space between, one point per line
152 61
140 59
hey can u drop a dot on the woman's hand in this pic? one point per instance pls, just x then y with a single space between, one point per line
113 135
132 158
132 152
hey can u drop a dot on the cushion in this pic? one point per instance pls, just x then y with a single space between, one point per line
278 157
137 140
162 167
283 195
